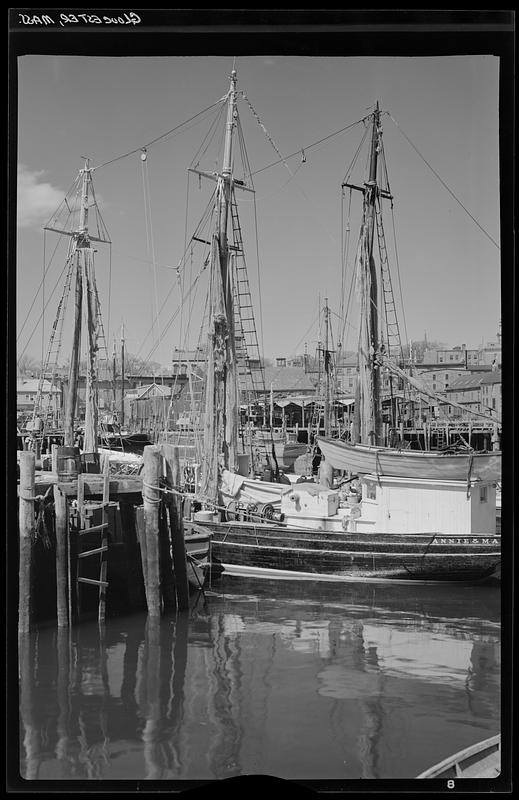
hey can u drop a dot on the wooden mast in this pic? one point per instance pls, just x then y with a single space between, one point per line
327 426
122 377
367 427
81 241
221 406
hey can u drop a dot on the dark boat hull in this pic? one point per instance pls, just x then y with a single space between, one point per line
273 550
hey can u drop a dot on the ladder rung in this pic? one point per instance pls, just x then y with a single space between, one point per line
92 581
94 528
93 552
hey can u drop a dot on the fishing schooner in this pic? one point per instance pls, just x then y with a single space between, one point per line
413 525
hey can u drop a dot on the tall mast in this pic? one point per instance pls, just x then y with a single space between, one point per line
368 416
225 198
81 242
122 375
221 407
326 370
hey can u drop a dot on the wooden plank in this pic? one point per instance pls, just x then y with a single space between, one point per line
94 528
93 484
92 581
61 511
26 532
93 552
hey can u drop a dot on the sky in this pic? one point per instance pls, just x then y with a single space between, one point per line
445 267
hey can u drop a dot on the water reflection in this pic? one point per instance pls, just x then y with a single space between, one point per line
288 679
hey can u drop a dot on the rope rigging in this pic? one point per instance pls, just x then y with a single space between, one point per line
443 182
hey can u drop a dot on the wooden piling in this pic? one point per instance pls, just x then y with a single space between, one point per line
175 510
26 533
167 578
134 573
151 500
178 551
61 511
54 459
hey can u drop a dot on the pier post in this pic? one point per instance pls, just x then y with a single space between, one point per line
54 459
151 500
61 511
178 551
178 545
26 531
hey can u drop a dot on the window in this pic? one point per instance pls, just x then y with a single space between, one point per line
371 491
483 494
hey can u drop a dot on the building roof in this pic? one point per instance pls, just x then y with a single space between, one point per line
466 383
32 386
152 390
491 377
288 379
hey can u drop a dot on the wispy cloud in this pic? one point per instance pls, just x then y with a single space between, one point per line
37 199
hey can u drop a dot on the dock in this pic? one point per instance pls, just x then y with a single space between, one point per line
100 542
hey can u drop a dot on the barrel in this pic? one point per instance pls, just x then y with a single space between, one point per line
68 463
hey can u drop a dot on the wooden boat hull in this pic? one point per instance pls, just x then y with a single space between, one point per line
197 546
277 550
481 760
362 459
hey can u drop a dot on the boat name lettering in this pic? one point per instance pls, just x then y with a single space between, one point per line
452 540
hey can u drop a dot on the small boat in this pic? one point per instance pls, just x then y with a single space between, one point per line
361 459
480 760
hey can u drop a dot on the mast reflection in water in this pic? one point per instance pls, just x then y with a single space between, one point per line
291 679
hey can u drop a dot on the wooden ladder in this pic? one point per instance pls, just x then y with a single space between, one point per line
101 551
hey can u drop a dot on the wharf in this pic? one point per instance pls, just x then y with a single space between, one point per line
92 483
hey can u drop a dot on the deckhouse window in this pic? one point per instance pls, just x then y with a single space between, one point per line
370 491
483 494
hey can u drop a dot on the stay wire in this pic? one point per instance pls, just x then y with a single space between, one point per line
444 184
41 283
309 146
158 138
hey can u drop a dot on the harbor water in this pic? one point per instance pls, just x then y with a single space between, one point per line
297 680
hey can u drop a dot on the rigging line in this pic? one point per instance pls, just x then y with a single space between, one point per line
60 239
355 156
445 185
315 319
158 138
206 214
344 257
109 292
308 147
176 312
69 256
43 303
211 132
398 275
180 279
75 183
152 240
260 305
173 317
